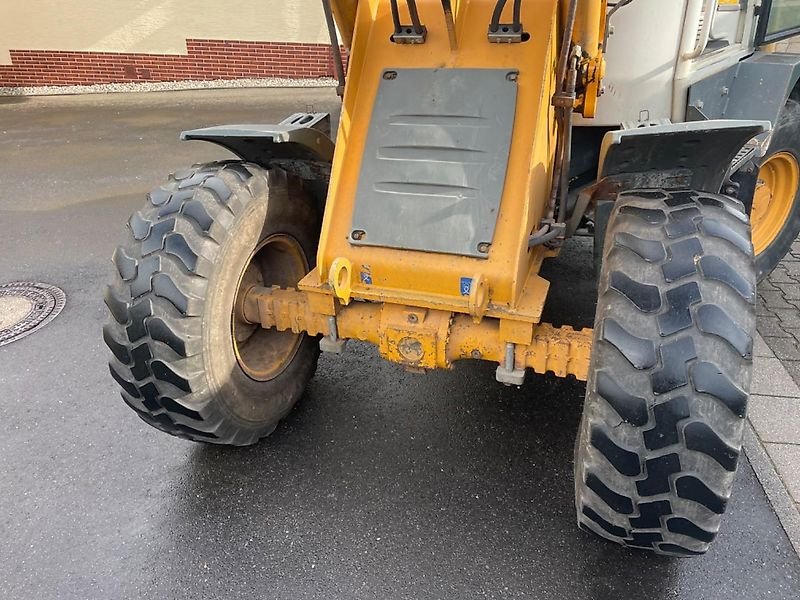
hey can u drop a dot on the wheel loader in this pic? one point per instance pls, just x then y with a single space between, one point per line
475 137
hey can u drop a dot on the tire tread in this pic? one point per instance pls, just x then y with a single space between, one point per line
156 300
666 397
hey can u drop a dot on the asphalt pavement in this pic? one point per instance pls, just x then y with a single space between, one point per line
380 484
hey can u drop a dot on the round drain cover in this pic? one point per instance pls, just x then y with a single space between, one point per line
25 307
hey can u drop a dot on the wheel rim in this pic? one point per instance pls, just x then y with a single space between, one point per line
263 354
778 182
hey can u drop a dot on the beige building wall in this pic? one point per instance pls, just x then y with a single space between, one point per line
152 26
162 26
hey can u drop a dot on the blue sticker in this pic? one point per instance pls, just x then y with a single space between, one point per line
466 286
366 275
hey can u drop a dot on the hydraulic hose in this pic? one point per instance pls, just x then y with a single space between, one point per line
546 234
412 10
566 40
395 14
338 65
561 76
566 158
498 11
562 99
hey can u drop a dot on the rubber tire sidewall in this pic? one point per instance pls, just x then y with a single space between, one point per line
250 404
636 384
786 138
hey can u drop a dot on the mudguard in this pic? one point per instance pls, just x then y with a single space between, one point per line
695 155
299 144
691 156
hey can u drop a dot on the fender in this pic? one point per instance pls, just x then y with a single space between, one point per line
695 155
300 144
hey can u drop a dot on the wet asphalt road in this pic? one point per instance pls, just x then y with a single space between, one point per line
380 484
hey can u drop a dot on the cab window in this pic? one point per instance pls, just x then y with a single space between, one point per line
779 19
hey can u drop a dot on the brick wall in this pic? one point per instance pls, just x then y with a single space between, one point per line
204 60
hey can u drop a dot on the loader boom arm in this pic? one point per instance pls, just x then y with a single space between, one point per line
345 13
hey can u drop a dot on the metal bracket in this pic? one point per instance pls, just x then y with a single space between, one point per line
339 278
478 298
319 121
506 33
581 204
755 148
506 373
408 34
330 346
332 343
644 121
563 100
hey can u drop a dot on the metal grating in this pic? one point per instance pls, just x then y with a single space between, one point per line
27 307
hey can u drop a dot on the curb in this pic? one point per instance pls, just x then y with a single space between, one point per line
166 86
770 481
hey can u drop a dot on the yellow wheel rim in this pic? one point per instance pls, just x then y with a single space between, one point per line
778 182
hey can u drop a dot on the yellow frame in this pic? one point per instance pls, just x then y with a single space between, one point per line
423 278
417 315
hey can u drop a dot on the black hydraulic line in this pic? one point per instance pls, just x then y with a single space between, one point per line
561 77
338 65
546 234
517 16
412 10
496 14
563 182
572 79
533 240
557 163
562 102
395 15
566 40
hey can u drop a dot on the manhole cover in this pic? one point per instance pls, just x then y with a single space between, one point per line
25 307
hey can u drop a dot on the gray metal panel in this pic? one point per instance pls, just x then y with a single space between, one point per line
762 85
434 165
756 88
709 97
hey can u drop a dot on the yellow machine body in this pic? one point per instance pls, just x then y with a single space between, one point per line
424 278
500 317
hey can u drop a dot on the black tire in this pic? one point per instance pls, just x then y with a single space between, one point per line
666 396
785 138
171 302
